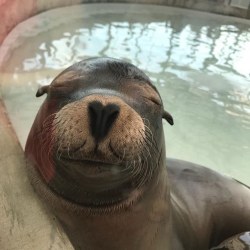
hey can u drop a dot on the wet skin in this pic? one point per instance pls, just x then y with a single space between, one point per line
96 156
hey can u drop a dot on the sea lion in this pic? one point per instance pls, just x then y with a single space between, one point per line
96 156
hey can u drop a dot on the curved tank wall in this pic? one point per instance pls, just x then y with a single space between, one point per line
24 222
13 12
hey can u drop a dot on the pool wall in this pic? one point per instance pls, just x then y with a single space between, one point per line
24 223
14 12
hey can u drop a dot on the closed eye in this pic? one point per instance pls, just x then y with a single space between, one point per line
154 100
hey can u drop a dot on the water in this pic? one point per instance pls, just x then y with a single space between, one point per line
199 63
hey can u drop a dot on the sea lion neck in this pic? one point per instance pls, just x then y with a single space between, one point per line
142 224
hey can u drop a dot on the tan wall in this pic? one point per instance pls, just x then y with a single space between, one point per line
13 12
25 225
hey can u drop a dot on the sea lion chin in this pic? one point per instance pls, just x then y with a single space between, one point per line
96 156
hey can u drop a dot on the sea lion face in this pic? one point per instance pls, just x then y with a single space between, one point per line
97 140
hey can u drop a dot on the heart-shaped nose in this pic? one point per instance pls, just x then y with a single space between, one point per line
102 117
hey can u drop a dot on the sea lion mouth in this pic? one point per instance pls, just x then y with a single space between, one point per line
87 162
94 182
92 168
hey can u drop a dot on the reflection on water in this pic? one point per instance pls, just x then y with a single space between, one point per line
200 66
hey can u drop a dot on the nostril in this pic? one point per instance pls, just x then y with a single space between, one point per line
102 118
95 114
110 114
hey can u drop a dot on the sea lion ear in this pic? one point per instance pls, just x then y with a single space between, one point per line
42 90
168 117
